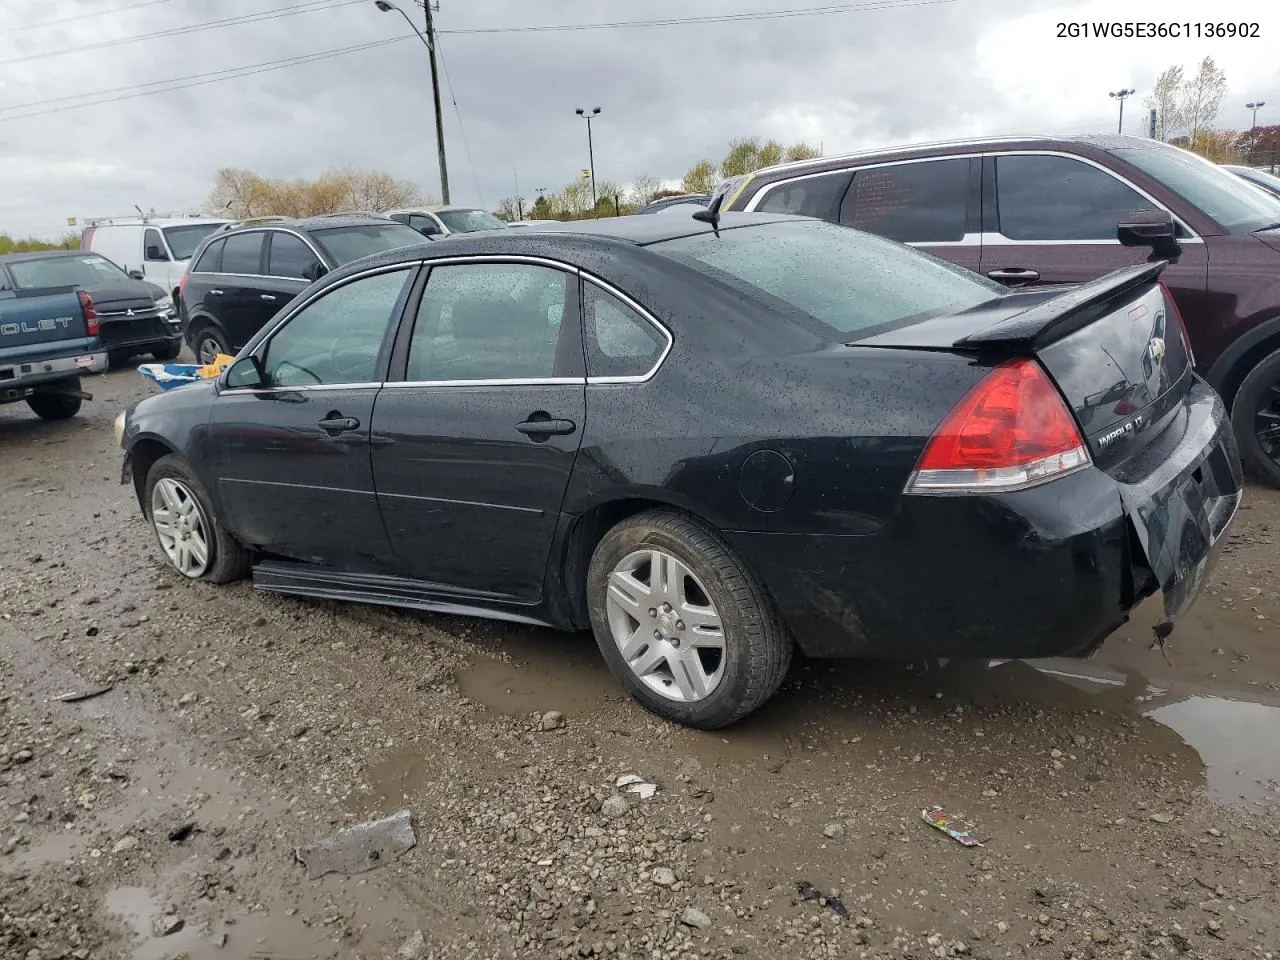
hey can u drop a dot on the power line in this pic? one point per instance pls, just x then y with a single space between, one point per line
467 146
719 18
214 77
81 16
309 6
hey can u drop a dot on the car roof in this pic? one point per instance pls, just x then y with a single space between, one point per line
435 208
46 255
643 230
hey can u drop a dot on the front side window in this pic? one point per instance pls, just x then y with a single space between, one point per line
620 342
184 240
344 244
1236 206
818 196
88 270
153 246
242 253
1060 198
910 202
851 282
289 256
211 260
489 321
336 338
424 225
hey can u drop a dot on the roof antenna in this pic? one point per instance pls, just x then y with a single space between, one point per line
711 214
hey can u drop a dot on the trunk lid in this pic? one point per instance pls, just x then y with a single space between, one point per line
39 316
1115 347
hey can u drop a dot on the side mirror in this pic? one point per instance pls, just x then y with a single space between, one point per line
314 271
1150 228
428 230
245 372
136 275
155 253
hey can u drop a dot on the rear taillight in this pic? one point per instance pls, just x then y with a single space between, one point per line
1012 430
90 312
1182 325
182 284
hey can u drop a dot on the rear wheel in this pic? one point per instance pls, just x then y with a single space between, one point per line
683 624
168 351
1255 417
208 343
188 531
56 406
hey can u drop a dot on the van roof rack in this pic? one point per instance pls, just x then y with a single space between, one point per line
249 221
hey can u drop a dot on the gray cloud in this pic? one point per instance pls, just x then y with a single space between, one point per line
670 95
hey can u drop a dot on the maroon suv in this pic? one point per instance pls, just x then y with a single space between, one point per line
1045 211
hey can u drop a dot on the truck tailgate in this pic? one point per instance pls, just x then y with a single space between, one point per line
40 316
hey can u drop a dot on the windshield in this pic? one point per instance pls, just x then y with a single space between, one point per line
184 240
89 270
344 244
848 280
469 221
1222 196
1263 179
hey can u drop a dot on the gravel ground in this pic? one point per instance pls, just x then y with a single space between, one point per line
1127 804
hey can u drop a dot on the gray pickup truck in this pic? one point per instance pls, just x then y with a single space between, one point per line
48 337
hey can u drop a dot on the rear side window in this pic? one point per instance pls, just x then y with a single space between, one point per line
243 253
811 197
851 282
289 256
1058 198
211 260
620 342
910 202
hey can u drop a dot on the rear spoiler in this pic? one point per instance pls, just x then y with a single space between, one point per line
1054 319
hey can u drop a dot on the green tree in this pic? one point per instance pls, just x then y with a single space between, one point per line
802 151
700 178
8 244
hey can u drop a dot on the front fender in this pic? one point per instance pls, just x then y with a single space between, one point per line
1246 350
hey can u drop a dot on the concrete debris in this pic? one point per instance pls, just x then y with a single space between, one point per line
362 847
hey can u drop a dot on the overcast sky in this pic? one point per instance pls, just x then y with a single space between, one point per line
910 70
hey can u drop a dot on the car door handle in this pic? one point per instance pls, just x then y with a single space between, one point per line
337 423
216 293
540 428
1014 273
268 296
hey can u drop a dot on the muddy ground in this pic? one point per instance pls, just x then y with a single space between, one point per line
1127 805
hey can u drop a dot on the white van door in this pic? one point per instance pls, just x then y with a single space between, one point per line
157 263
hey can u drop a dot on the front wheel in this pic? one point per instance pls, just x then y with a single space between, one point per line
681 621
189 532
1255 418
167 351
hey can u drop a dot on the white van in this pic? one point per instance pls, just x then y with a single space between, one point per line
156 249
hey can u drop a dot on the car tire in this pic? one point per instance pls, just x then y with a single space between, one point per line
118 358
209 338
168 351
1256 404
171 485
754 643
56 406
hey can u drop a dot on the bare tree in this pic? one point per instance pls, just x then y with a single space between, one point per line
238 193
1166 101
379 191
1202 97
643 187
508 209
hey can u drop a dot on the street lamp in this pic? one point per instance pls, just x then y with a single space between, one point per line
429 38
591 153
1121 95
1253 128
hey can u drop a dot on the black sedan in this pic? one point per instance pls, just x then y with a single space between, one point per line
707 442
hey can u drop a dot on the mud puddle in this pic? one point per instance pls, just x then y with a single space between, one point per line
1237 741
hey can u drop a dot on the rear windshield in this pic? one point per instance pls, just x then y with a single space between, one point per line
344 244
1224 197
848 280
469 221
184 240
86 271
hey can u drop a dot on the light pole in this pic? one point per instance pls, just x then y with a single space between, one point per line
591 153
1121 95
1253 128
429 38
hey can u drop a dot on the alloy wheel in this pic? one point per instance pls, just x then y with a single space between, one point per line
207 349
1266 422
181 527
666 626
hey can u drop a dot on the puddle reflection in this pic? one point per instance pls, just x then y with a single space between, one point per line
1235 739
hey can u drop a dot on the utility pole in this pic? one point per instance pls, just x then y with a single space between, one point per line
429 38
1121 95
1253 128
591 153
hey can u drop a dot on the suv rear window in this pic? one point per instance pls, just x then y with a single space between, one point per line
852 282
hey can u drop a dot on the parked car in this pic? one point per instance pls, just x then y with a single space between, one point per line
48 338
1259 178
442 221
666 203
135 316
702 441
1048 211
156 250
243 274
530 223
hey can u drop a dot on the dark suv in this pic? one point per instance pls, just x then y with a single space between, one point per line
1049 211
242 274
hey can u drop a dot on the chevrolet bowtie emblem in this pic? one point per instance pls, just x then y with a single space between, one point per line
1156 349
